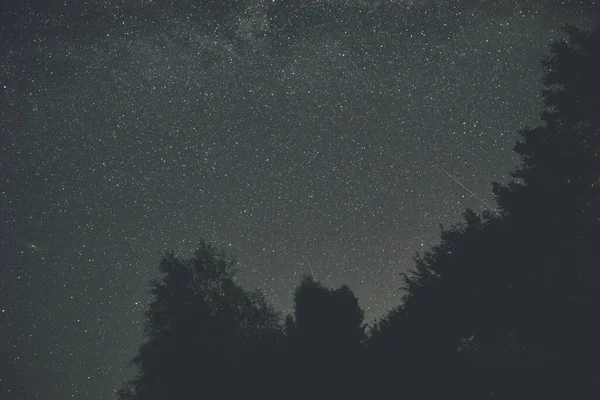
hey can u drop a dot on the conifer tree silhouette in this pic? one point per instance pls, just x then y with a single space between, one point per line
507 306
555 207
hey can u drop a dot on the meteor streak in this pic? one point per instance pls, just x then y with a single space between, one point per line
310 269
470 191
312 272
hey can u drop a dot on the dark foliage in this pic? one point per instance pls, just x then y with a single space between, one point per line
203 327
325 339
507 306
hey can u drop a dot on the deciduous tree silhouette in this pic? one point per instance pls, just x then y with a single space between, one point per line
204 333
326 337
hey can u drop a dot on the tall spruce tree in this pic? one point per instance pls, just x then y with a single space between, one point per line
554 205
508 306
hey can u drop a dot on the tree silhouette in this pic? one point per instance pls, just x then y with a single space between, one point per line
508 306
555 204
447 311
203 332
326 337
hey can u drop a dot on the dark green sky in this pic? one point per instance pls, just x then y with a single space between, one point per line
295 137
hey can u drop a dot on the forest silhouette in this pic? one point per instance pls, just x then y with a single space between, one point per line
507 306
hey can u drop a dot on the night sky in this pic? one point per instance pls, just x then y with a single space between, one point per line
332 148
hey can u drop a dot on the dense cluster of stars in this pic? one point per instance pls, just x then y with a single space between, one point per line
298 150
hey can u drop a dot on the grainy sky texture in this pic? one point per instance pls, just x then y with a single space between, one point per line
316 135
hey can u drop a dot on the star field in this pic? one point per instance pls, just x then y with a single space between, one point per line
128 130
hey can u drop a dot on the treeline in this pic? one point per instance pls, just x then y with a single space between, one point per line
507 306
